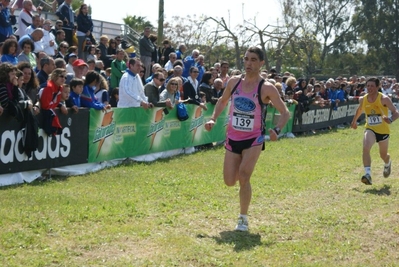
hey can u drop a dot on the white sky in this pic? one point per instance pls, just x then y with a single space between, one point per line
266 12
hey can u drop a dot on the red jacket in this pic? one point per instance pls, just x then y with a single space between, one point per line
49 100
51 96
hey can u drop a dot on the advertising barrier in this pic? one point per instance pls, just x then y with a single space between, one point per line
129 132
92 136
322 117
68 148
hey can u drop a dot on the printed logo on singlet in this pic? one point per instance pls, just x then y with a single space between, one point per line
260 139
244 104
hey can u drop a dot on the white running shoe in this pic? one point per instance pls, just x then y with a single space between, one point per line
387 170
242 224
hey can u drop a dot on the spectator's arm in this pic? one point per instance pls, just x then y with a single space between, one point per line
88 102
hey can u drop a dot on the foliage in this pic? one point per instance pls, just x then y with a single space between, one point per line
376 22
137 23
309 208
317 37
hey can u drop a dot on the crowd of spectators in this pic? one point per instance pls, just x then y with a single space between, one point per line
48 65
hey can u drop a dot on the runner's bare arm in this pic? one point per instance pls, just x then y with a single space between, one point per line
359 112
270 93
386 101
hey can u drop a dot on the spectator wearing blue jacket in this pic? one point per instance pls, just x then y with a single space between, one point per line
180 51
87 98
7 19
73 101
336 95
190 61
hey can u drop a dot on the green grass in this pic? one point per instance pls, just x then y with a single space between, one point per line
309 208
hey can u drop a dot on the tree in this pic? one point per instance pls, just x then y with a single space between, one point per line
226 33
323 22
377 24
137 23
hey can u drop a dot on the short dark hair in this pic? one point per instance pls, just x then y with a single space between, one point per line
224 63
75 82
133 60
375 80
92 76
178 63
258 51
44 61
192 68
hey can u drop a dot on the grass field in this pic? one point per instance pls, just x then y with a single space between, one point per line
309 208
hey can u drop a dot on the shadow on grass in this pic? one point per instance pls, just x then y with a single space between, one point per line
241 240
384 191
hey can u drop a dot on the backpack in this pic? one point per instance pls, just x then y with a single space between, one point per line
182 114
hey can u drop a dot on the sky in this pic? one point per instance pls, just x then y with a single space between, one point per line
266 12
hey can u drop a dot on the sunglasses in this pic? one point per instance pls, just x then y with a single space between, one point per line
62 76
173 84
195 71
64 46
162 80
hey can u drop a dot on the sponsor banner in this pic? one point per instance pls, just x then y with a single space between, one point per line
68 148
129 132
273 115
321 117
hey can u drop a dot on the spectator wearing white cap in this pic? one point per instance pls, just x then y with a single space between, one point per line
71 58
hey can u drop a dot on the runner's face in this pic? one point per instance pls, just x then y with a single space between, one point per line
252 62
371 88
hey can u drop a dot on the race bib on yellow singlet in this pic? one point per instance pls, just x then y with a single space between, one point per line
373 120
243 122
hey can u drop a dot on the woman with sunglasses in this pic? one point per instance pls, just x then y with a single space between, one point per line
171 92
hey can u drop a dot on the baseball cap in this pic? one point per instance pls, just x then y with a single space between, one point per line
79 62
72 55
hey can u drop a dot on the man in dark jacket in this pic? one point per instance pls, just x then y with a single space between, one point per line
66 14
146 49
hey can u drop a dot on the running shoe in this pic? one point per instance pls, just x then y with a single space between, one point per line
387 170
366 179
242 224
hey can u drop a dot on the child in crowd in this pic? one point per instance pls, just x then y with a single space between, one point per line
73 101
113 101
91 53
202 97
101 92
108 76
65 92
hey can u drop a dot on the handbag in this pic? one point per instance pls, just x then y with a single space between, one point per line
182 114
